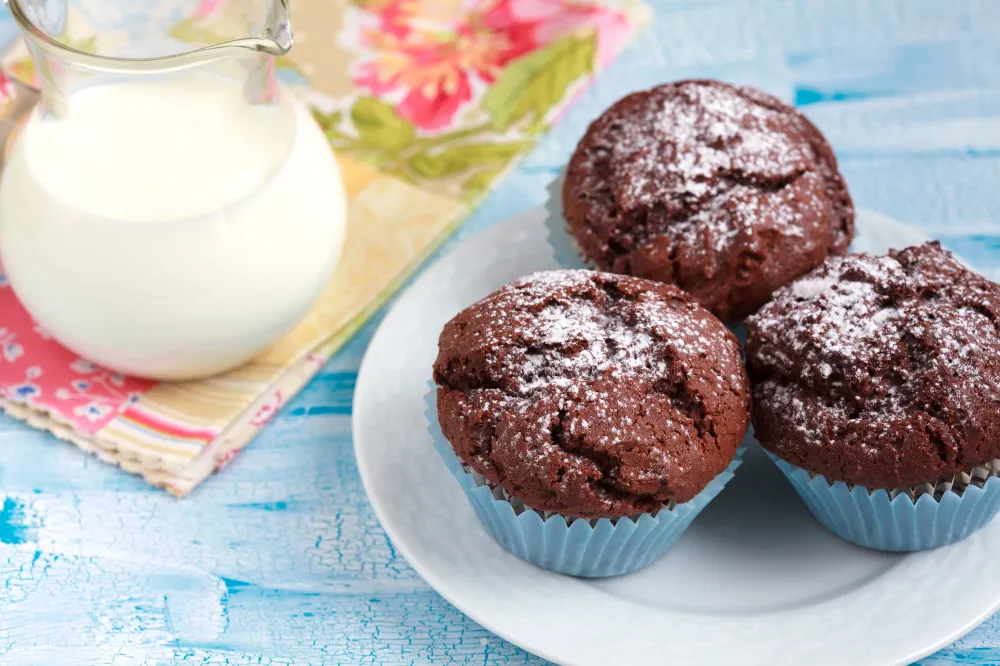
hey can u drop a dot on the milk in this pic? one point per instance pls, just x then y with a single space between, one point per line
169 229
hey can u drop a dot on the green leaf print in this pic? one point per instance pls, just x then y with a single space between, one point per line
285 63
379 125
370 5
456 160
479 183
189 32
327 120
464 159
329 123
86 44
535 83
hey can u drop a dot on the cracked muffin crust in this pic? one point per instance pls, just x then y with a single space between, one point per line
590 394
724 191
882 372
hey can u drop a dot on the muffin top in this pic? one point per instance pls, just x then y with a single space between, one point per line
724 191
591 394
882 372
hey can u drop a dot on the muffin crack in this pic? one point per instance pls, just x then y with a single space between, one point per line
900 354
566 385
700 184
713 216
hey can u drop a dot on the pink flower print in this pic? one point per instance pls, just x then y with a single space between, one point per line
41 332
93 411
6 92
95 383
40 371
554 18
225 459
208 8
27 390
24 392
83 366
267 411
433 53
10 350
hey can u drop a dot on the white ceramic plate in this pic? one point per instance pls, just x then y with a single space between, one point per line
755 580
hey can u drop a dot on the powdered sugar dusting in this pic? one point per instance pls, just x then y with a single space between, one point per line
565 343
681 143
836 320
611 392
879 341
709 181
737 217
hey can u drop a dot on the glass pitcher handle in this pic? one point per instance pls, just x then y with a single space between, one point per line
48 15
42 21
24 99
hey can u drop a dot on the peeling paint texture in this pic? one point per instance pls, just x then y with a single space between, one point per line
279 560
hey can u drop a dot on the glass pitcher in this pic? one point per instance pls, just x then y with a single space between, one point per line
167 209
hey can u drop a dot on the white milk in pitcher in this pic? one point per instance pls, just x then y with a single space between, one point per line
170 229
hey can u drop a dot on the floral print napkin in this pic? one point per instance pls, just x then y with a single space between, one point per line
427 103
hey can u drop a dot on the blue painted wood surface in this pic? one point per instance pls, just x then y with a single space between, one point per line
279 560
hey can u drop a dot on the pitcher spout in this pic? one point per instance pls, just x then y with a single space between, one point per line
264 26
278 28
248 34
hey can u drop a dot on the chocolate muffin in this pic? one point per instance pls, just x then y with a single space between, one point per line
590 394
882 372
724 191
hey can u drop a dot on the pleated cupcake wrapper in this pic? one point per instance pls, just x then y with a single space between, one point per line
520 507
565 249
905 519
595 548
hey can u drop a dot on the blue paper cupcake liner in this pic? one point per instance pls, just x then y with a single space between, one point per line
577 547
900 520
564 248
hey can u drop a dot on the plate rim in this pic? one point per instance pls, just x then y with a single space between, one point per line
425 571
